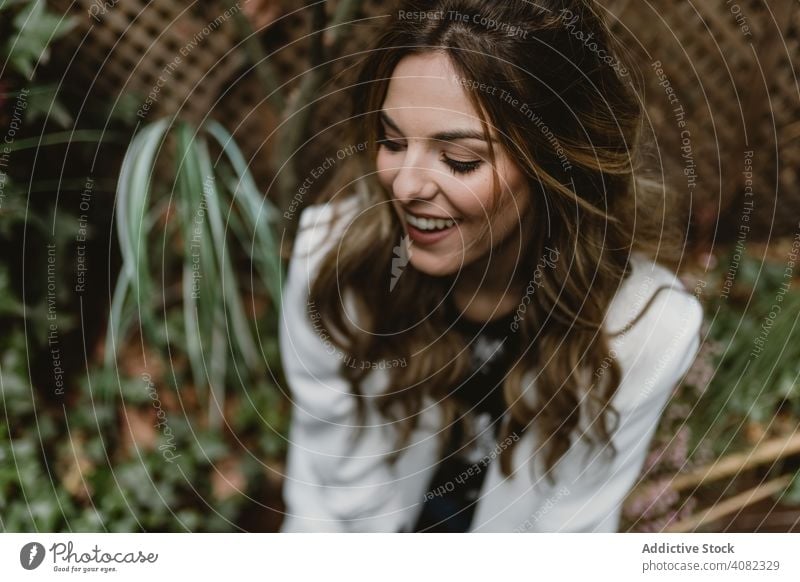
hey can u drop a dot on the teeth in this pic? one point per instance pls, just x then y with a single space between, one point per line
429 223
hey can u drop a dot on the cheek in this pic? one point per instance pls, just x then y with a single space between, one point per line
515 188
471 195
512 200
386 168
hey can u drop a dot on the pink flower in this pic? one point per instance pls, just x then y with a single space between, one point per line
653 500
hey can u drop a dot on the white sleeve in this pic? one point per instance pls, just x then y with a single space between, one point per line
654 355
331 483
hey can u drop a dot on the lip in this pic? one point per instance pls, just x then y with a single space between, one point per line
430 216
425 237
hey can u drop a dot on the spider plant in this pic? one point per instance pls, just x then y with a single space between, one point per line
212 216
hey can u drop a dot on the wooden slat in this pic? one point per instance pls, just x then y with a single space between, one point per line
730 505
729 465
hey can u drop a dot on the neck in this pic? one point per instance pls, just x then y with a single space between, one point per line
491 288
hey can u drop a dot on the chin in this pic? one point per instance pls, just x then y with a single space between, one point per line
434 267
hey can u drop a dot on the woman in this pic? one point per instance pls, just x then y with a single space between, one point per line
478 332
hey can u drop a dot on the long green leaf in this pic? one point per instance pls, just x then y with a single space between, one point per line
132 193
260 213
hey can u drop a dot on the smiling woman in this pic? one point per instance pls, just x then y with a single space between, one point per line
541 335
434 158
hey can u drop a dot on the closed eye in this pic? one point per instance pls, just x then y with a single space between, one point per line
459 167
391 145
455 166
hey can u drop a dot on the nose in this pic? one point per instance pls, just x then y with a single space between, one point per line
413 180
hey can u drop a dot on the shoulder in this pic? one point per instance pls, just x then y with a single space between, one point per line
311 361
655 290
657 323
320 227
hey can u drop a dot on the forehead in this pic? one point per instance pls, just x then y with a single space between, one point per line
425 95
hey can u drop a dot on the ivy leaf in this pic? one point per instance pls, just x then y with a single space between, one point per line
35 28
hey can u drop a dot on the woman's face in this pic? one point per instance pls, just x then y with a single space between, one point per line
434 162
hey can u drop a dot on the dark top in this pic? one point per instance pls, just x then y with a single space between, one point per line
452 493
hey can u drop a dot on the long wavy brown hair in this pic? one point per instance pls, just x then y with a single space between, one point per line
582 157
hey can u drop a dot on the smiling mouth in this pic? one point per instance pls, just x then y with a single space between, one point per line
429 224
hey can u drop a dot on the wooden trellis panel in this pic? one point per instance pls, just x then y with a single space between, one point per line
177 54
738 86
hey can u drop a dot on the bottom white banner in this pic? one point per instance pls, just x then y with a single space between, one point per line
355 557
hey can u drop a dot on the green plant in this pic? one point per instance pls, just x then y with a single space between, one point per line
91 460
212 209
34 28
756 363
62 473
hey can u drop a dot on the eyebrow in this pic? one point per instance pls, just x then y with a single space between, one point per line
452 135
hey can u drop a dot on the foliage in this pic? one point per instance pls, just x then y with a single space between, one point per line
96 458
29 32
35 28
757 358
212 208
63 472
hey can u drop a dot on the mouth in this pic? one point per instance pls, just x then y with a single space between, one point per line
428 230
429 224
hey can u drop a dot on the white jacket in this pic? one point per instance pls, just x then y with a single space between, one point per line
333 484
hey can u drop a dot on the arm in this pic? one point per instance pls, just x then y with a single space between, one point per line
332 483
654 355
